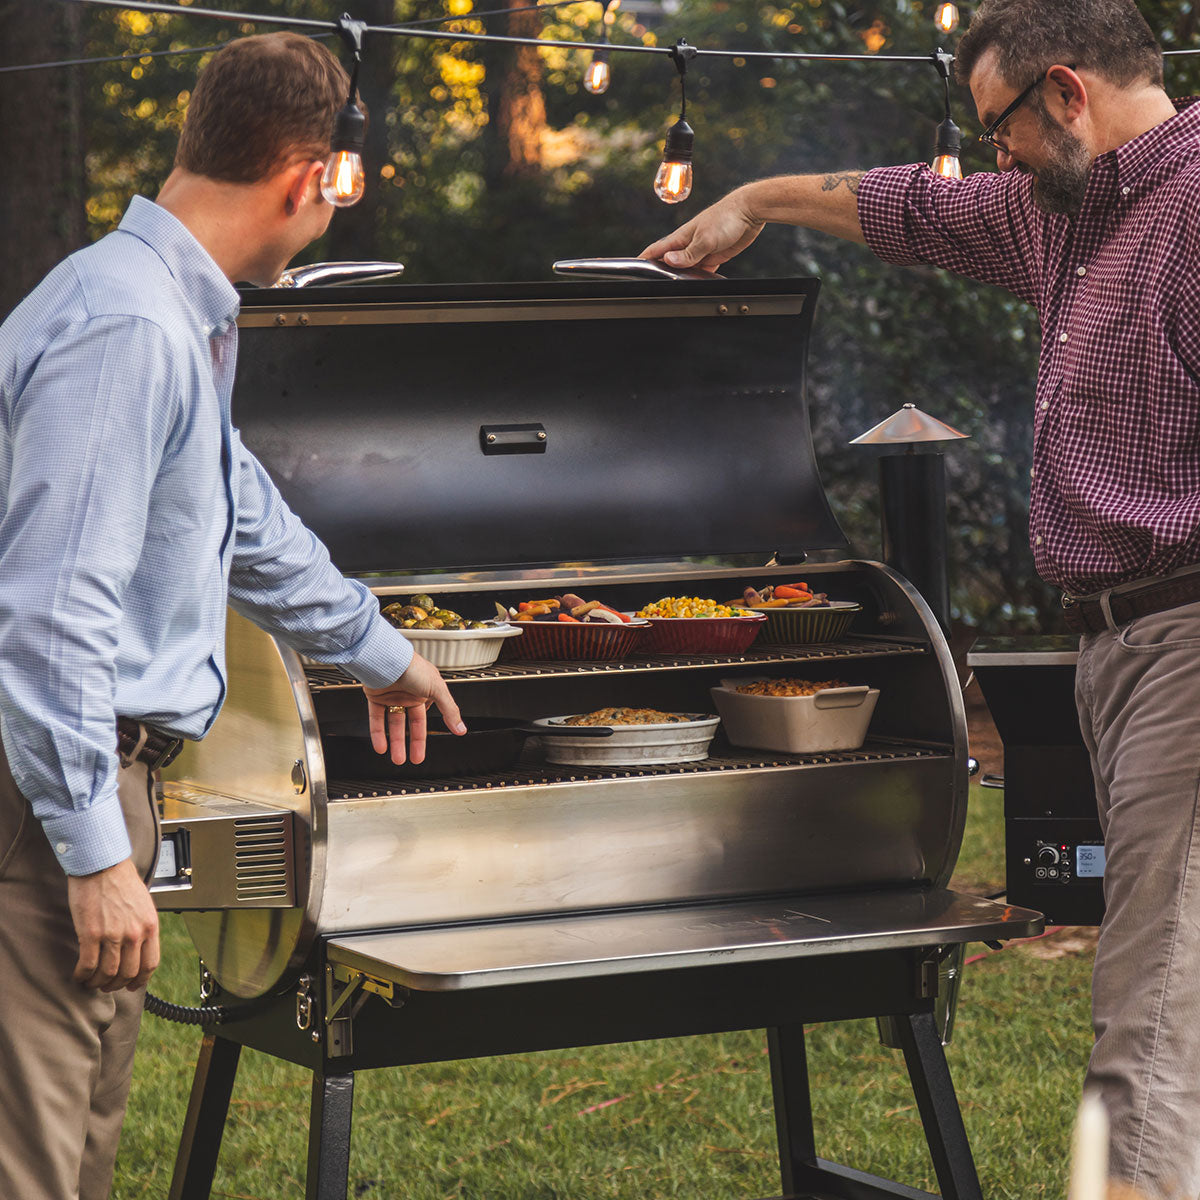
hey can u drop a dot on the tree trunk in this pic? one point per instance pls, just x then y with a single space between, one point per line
516 106
42 217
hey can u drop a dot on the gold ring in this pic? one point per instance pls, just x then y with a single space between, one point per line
395 708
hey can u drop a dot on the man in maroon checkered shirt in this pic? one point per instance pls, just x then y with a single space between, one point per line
1094 218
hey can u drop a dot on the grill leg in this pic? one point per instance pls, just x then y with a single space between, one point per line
938 1105
329 1137
200 1141
793 1106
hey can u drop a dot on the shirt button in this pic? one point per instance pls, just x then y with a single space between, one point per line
62 848
1064 337
1037 541
1081 271
1045 405
1032 473
1124 191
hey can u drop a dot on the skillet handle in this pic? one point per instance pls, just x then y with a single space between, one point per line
593 731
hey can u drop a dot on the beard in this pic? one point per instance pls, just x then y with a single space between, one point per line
1059 187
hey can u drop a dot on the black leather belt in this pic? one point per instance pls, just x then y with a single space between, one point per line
1156 595
144 743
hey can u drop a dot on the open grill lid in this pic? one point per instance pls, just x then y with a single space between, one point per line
419 428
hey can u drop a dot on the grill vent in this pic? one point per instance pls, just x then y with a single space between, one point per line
262 857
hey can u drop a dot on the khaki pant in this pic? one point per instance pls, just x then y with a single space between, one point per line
66 1053
1138 691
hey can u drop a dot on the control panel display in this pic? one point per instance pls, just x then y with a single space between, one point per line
1089 862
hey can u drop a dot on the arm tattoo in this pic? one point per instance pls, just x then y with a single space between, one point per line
850 178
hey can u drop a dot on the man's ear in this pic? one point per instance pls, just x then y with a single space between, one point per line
304 183
1069 95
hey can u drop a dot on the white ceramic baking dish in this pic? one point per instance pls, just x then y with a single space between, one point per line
831 719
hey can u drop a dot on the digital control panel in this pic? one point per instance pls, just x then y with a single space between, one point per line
1063 862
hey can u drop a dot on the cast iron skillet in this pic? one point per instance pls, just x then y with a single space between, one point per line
490 744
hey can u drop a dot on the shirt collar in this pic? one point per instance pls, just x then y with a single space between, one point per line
213 298
1178 135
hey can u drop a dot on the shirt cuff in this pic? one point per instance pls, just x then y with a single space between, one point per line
882 197
90 839
381 657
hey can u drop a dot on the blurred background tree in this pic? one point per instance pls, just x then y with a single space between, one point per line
488 162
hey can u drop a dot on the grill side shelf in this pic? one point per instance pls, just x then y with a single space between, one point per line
327 678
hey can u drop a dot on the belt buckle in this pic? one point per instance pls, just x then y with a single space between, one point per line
167 755
1067 601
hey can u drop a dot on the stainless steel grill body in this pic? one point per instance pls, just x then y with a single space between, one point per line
539 839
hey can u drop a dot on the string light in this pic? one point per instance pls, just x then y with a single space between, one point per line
673 182
343 180
946 17
948 145
598 75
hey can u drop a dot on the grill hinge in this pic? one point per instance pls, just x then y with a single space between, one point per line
343 984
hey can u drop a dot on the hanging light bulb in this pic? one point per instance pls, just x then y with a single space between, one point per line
948 144
344 179
946 150
673 182
598 74
946 17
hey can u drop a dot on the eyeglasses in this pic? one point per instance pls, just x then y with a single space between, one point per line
988 136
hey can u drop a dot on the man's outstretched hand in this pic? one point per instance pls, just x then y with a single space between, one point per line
710 238
400 708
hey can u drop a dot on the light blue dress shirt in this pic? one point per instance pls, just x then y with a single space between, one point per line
130 515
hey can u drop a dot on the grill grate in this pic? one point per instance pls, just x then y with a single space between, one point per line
549 773
261 854
326 678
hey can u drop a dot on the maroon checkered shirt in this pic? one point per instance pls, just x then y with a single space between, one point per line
1116 425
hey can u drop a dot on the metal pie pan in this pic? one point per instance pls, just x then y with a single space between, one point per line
633 745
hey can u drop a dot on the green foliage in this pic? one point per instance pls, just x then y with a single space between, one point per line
443 198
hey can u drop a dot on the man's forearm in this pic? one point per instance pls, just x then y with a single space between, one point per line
828 203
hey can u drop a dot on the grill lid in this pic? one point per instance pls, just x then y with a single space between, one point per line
487 426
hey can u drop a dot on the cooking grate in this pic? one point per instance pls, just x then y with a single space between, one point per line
537 775
325 678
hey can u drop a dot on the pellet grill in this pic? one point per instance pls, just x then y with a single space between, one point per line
625 441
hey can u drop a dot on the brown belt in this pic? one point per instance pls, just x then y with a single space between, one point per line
1087 616
145 743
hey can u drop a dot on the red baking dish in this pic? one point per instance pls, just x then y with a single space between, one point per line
701 635
597 641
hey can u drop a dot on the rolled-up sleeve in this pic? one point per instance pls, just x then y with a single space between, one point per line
985 226
283 580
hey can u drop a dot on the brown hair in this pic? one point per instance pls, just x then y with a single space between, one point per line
1109 37
262 102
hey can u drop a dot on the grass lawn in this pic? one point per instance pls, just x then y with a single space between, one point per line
684 1117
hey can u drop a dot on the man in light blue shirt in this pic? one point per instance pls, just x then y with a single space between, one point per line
130 516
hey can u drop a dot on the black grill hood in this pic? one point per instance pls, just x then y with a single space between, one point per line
674 419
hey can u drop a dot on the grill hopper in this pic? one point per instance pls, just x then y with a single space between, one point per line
406 428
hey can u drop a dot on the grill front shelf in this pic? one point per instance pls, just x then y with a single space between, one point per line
538 774
327 678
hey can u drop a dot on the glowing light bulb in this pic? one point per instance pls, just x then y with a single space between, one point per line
673 182
946 151
948 165
946 17
343 179
598 74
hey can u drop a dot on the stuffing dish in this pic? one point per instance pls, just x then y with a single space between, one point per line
627 716
788 687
